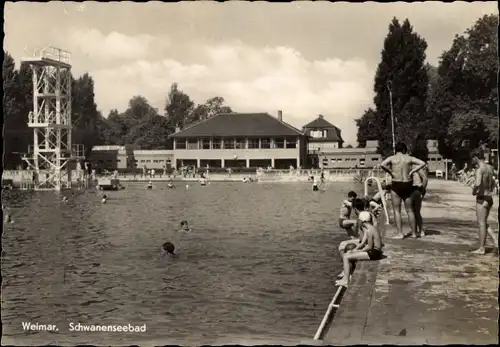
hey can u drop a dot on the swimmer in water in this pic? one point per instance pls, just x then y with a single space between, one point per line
168 248
170 185
150 185
184 226
65 199
7 218
104 198
315 185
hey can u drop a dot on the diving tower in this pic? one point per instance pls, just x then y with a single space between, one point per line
52 149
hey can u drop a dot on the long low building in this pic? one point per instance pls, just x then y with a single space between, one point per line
233 140
252 140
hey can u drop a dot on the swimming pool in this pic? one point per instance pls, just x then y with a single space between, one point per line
258 263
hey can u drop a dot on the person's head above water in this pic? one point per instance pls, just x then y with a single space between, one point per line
168 247
401 148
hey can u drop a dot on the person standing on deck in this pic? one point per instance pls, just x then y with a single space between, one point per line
483 189
420 180
399 166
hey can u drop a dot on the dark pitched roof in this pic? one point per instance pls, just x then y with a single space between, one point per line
239 125
320 122
333 133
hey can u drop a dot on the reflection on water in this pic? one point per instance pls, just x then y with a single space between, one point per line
258 263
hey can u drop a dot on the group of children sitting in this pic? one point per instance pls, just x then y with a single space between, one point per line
365 241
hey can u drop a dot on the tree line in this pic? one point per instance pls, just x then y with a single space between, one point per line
454 103
140 124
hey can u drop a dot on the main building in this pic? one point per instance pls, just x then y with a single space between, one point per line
251 140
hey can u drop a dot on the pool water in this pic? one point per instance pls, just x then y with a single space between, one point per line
258 264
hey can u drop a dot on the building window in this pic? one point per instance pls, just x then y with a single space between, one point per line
316 134
180 144
265 143
253 143
228 143
362 162
216 143
291 142
241 143
339 160
192 144
333 160
205 143
374 159
279 142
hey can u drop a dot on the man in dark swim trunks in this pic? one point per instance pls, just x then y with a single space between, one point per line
399 166
483 189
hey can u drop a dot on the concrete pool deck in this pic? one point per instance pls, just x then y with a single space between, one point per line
428 290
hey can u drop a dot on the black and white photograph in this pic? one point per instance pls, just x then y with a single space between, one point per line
250 173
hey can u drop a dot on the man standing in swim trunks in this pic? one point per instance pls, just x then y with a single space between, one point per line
399 166
420 180
483 189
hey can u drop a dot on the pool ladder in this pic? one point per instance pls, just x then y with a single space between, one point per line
382 195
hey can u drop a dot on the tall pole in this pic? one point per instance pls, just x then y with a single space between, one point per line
389 83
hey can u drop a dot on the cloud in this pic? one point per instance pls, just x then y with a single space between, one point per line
96 45
249 79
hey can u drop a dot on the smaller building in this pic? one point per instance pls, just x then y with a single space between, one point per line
112 157
350 158
435 160
154 159
322 135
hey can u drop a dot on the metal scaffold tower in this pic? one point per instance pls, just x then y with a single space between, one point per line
50 120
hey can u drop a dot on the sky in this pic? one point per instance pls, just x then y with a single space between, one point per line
303 58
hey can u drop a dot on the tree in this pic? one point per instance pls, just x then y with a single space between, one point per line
401 69
178 107
365 126
210 108
467 90
11 112
86 119
140 124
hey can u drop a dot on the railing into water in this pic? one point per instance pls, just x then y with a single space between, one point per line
332 308
382 195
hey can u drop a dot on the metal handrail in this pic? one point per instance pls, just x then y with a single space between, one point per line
382 195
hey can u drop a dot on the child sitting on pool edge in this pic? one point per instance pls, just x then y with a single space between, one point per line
370 248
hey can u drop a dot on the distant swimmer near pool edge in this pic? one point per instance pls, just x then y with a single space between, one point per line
168 248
